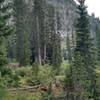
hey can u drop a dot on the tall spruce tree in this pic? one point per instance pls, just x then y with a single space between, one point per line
84 58
40 11
11 47
46 34
98 43
59 27
37 12
56 42
69 86
4 31
22 33
54 38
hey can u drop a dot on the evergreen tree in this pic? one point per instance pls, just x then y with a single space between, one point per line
37 34
69 86
51 33
5 30
11 47
22 33
46 34
98 43
84 57
56 43
40 34
54 38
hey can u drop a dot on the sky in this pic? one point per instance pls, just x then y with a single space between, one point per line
93 7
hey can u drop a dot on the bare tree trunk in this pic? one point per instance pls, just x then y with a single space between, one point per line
73 37
45 52
45 38
38 49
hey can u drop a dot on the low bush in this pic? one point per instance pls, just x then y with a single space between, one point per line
23 71
46 74
33 82
6 71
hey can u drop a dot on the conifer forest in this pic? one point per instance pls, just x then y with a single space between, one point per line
49 50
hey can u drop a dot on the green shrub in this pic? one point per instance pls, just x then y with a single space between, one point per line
23 71
6 71
35 69
32 81
46 74
64 67
1 82
15 81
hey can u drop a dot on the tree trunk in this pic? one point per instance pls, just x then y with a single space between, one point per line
38 49
45 52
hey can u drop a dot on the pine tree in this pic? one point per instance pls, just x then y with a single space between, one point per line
54 38
56 43
37 32
69 86
22 33
84 56
11 47
50 29
98 43
5 30
40 30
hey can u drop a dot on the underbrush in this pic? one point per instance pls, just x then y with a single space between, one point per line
28 76
5 95
35 75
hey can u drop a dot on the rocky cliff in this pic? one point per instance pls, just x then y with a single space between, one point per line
67 10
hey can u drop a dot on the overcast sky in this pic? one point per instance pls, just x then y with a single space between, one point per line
93 7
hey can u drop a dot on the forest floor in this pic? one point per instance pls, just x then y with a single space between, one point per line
26 87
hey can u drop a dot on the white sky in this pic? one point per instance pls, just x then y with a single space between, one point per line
93 7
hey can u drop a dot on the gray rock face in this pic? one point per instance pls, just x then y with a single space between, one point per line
67 10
